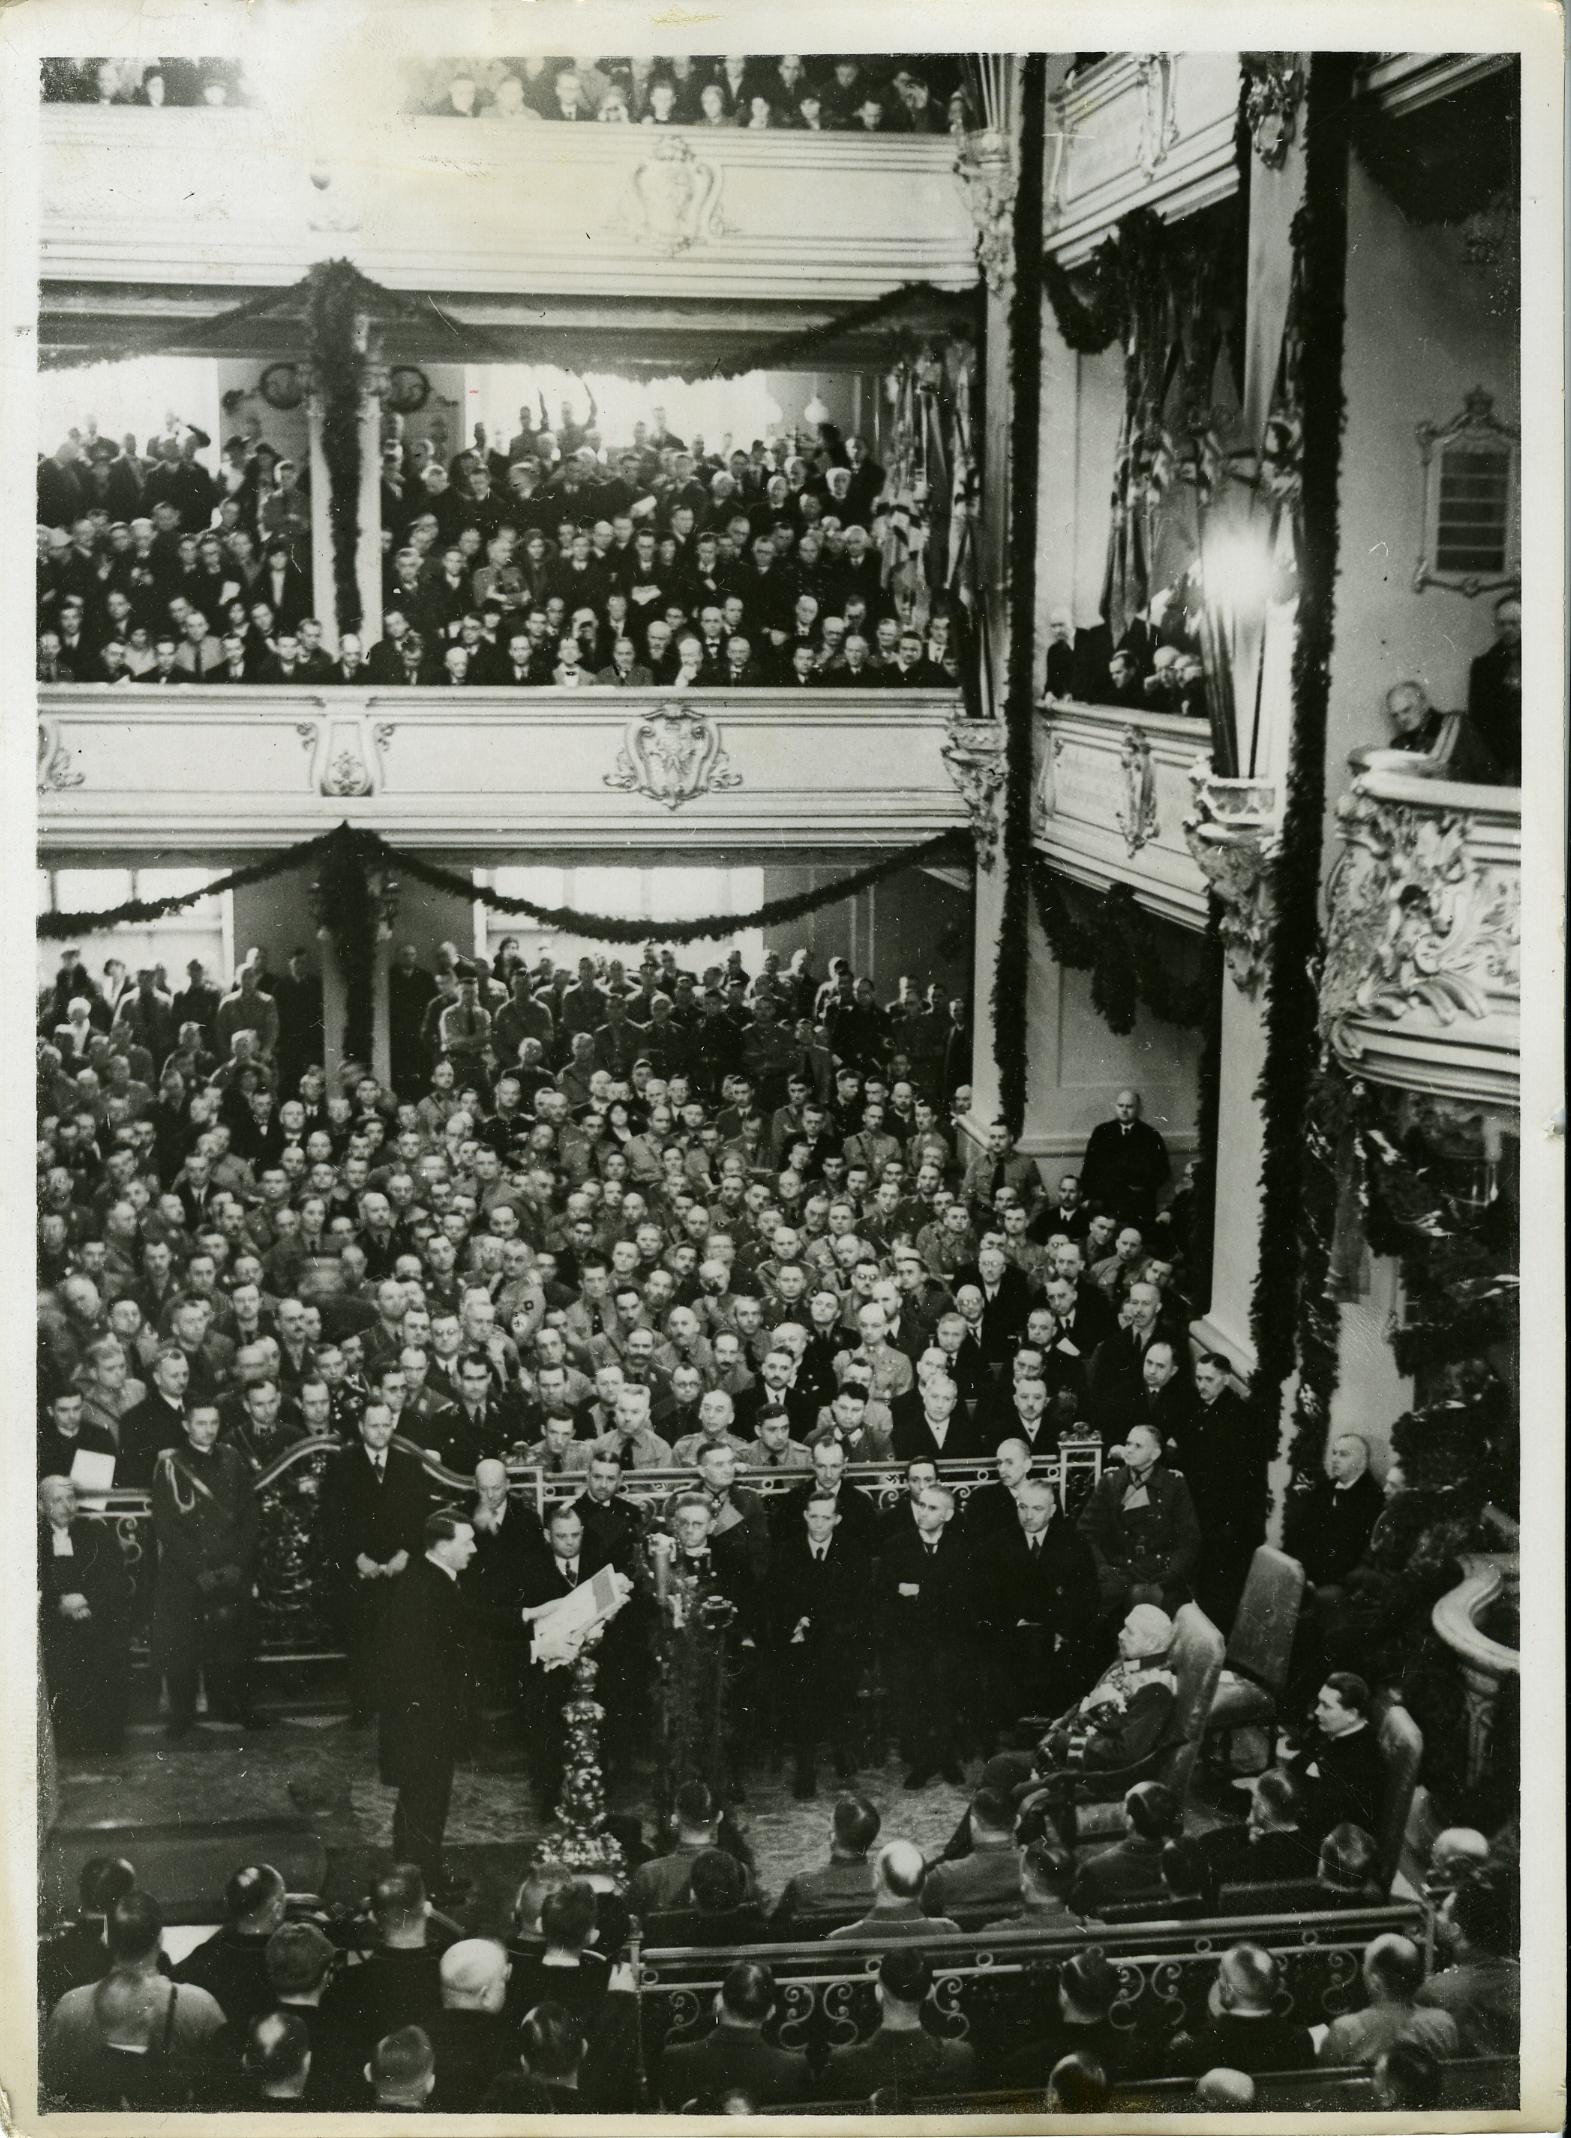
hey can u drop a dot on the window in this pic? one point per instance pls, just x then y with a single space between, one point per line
656 893
205 930
1472 519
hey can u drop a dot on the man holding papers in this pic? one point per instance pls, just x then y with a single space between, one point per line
569 1588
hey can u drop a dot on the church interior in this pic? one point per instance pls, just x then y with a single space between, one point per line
795 1386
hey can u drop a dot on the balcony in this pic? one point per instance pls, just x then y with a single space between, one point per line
1422 985
1139 130
235 198
118 766
1112 791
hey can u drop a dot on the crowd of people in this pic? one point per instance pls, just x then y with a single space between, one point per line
828 92
555 561
713 1223
394 2005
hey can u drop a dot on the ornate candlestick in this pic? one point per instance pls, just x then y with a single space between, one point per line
577 1840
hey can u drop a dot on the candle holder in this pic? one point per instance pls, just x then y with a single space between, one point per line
578 1839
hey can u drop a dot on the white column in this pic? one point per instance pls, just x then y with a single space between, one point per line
335 1005
1235 1251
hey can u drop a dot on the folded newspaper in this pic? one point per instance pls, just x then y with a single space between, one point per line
560 1634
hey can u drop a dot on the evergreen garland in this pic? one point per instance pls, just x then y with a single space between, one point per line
1121 949
1012 966
343 898
335 298
1202 1229
1096 303
1291 994
344 850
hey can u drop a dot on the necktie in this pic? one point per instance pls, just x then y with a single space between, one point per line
570 1572
379 1465
998 1177
1036 1547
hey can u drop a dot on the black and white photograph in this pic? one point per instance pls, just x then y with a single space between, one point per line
830 1385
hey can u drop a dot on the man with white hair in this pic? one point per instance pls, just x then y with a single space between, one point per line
1040 1604
899 1876
470 2036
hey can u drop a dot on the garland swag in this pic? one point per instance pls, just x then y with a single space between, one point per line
346 858
1290 1283
1012 964
1120 949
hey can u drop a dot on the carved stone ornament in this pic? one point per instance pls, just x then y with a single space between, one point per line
974 753
347 774
990 179
1137 818
672 200
1420 927
1044 802
672 754
1271 101
1159 118
56 771
1235 848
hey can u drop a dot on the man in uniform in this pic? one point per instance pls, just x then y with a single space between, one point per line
205 1523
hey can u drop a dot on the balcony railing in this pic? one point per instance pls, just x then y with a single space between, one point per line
1112 791
237 197
1422 985
466 770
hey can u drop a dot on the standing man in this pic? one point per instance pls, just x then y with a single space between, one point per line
1126 1165
300 1036
205 1523
428 1697
926 1609
816 1595
374 1503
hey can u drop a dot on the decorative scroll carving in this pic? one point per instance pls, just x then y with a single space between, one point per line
1485 1665
1159 119
307 731
672 199
1271 101
671 755
1044 803
974 753
1137 820
382 734
1235 848
990 180
56 771
1420 926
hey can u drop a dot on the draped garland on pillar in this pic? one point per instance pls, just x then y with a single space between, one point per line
1012 966
335 345
1291 1279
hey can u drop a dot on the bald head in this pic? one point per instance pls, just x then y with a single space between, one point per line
1232 2092
474 1976
902 1869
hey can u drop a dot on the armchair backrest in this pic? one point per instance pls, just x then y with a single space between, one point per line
1401 1744
1261 1642
1195 1660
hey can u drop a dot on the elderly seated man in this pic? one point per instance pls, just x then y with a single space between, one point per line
1112 1737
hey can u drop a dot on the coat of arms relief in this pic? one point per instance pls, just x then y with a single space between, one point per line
672 198
672 754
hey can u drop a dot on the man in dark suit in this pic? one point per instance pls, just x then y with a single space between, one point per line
735 2055
1337 1767
1041 1605
925 1607
1066 1213
1006 1299
930 1422
1140 1524
1116 1395
566 1559
817 1585
1271 1847
1223 1457
1328 1526
508 1540
428 1695
374 1505
1126 1165
1494 691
